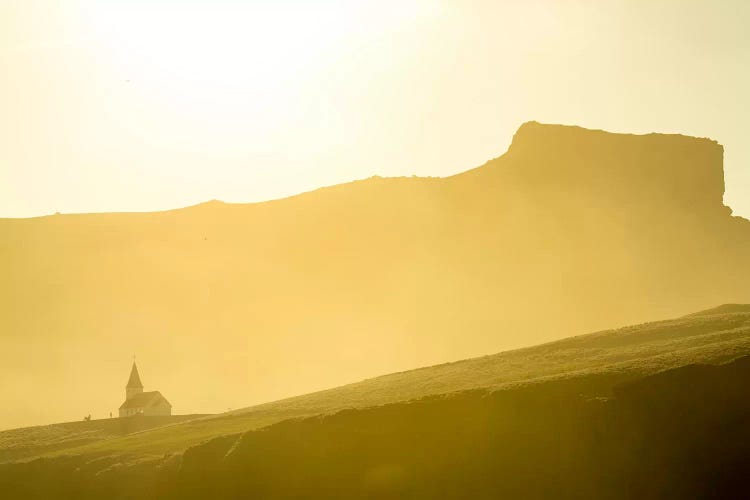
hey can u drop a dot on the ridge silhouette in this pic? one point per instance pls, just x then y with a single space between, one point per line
571 230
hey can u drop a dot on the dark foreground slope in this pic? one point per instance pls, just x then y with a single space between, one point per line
571 230
677 434
588 417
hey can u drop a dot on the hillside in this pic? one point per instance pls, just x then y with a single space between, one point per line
681 433
592 364
724 309
571 230
502 410
16 444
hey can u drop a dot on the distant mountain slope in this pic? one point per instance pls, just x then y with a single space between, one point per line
592 364
571 230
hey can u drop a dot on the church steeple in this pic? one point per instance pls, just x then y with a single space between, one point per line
134 383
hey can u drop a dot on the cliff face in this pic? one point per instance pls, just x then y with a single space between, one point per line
571 230
684 173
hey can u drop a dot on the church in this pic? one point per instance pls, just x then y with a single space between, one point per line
138 402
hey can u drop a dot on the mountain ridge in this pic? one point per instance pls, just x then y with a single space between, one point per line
394 272
526 139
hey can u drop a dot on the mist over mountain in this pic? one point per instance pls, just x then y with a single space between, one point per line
571 230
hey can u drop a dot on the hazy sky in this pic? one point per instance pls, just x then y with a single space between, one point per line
146 105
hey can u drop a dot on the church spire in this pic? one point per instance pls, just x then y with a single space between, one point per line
134 386
134 382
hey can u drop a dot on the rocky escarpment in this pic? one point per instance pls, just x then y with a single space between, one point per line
677 171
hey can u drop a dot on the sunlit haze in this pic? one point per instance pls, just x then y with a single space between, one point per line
392 249
141 105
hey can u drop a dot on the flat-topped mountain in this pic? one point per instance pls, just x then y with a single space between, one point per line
571 230
676 171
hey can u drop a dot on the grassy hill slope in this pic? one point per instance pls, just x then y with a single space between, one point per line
591 364
27 442
681 433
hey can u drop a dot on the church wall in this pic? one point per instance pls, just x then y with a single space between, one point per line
127 412
159 410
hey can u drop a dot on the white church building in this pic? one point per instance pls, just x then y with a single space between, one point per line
138 402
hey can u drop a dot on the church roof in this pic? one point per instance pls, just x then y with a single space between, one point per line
144 400
134 382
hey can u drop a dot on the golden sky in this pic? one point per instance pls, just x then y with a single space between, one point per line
147 105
